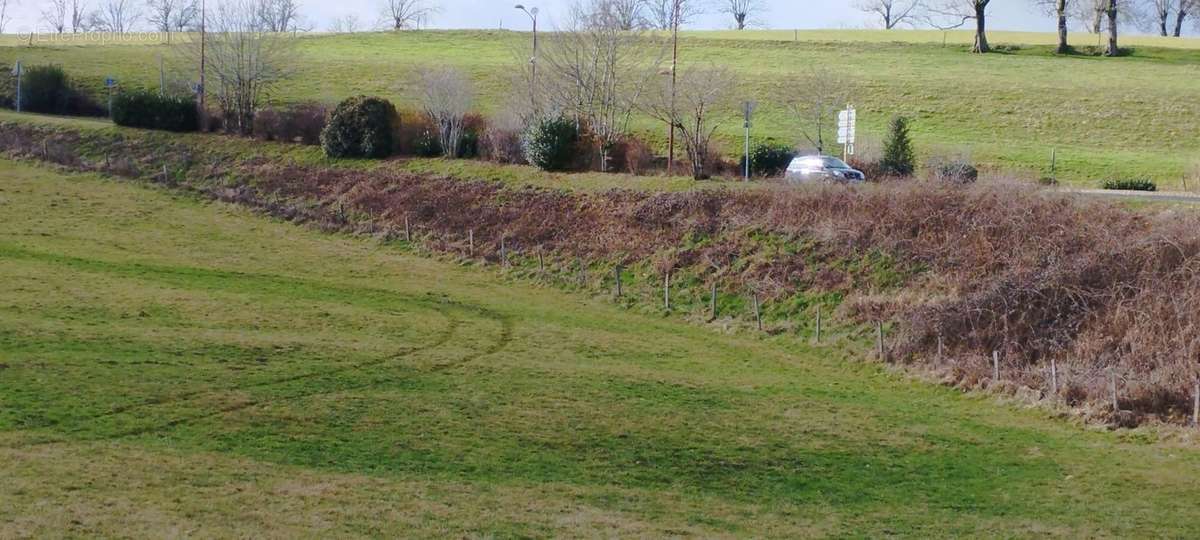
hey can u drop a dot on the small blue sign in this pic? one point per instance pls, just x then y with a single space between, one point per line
110 82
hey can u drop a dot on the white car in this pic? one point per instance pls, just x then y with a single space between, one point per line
822 169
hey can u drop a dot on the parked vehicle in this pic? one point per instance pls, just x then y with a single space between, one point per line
822 169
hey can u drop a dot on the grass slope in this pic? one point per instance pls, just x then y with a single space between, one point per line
1131 116
171 365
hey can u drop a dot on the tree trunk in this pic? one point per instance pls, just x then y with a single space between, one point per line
1113 49
1063 46
981 43
1162 24
1179 17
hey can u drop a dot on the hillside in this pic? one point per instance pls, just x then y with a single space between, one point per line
170 364
1135 116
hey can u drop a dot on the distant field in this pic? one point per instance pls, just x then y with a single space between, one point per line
1133 116
171 366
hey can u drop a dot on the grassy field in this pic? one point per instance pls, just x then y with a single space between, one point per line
1133 116
170 366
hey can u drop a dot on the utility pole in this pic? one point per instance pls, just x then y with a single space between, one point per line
18 71
676 10
203 65
749 110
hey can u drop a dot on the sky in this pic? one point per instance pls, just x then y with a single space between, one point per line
780 14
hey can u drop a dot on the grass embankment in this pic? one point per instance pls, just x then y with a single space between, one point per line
1135 116
170 364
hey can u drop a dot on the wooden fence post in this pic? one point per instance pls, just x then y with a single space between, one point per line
1053 377
667 292
541 261
1112 377
818 334
880 350
617 281
712 301
407 230
471 243
995 367
503 252
758 312
941 348
1196 405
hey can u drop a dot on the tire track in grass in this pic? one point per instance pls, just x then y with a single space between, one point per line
213 280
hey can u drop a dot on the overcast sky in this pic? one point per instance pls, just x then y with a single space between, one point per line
781 14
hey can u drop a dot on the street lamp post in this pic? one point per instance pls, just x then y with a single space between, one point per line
533 13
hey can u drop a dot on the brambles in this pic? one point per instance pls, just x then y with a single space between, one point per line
360 126
144 109
955 171
301 123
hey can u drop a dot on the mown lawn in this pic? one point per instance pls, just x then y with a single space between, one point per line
171 366
1136 116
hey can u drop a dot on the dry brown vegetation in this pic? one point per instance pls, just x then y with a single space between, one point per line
1034 275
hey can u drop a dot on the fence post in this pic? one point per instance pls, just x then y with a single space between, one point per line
471 243
1054 377
407 230
503 252
541 261
712 301
880 350
1196 405
758 312
667 292
818 335
617 281
1112 377
940 348
995 367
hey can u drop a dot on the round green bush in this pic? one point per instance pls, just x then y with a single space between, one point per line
145 109
769 158
551 144
362 127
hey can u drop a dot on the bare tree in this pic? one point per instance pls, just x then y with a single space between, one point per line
54 14
1160 13
6 13
162 13
949 14
246 61
78 16
346 24
814 101
1089 14
892 12
447 97
661 13
279 15
1182 10
627 15
745 13
699 104
187 16
1061 10
117 16
1112 10
597 71
406 14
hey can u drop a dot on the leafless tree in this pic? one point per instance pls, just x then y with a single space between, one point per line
661 13
699 104
187 17
78 16
6 13
1184 9
1061 11
892 12
346 24
947 14
745 13
407 14
596 71
1158 15
165 14
54 14
627 15
814 101
447 97
1112 11
279 15
117 16
246 61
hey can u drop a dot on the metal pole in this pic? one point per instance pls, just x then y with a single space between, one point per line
20 72
747 154
162 76
533 63
203 91
675 12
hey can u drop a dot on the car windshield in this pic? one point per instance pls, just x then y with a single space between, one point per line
833 163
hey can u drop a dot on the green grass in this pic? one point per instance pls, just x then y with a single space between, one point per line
169 364
1107 118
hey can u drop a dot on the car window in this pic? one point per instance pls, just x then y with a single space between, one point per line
834 163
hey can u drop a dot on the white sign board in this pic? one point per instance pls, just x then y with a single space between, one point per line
847 122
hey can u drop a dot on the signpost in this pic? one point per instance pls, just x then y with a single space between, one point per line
847 122
748 109
18 71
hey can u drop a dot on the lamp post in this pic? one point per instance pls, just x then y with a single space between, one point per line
676 12
533 13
